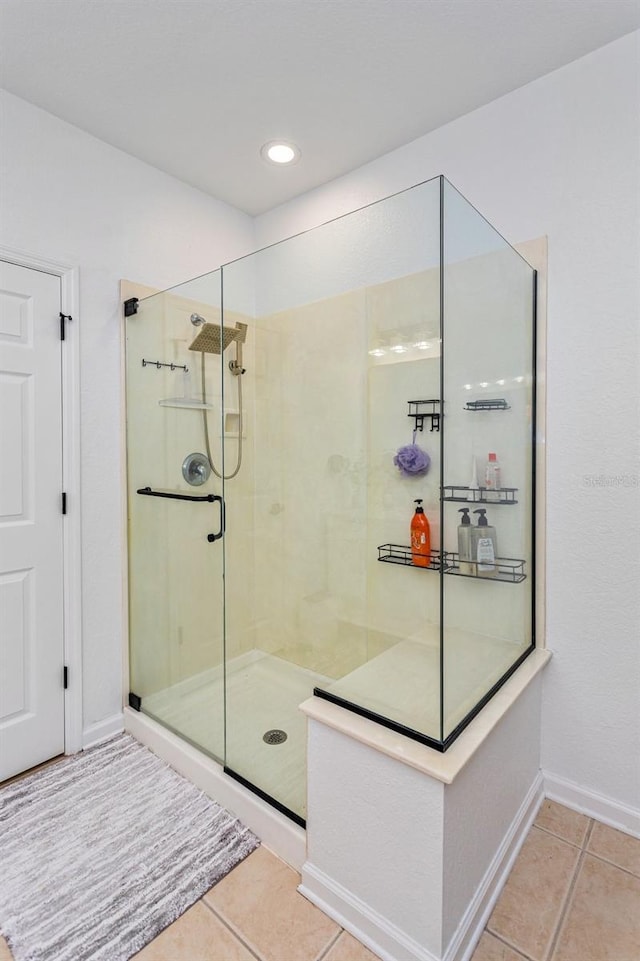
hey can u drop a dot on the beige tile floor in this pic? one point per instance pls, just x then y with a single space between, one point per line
572 895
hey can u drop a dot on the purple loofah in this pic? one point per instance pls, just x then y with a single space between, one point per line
412 460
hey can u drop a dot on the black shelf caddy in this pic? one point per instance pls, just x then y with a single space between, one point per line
489 403
473 495
420 410
398 554
509 570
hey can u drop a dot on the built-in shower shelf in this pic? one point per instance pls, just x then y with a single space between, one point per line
188 403
508 570
472 495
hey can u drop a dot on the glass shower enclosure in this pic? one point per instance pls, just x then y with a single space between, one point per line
284 414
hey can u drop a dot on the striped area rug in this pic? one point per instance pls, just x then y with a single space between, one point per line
101 851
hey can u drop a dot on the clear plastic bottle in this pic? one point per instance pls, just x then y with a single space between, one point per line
492 479
484 547
465 551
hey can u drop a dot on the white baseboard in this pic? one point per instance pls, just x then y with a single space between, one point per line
278 832
346 909
473 922
589 802
102 730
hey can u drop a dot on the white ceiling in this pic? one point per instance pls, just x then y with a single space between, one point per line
195 87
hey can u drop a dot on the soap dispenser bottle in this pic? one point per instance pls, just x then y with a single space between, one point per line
465 554
484 546
420 537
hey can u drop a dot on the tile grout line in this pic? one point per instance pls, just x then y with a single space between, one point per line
328 947
559 836
503 940
251 948
518 948
582 846
606 860
612 864
569 896
234 931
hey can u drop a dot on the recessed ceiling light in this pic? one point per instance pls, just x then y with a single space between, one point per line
280 152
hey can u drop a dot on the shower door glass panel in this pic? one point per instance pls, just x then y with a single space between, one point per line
343 330
176 632
488 294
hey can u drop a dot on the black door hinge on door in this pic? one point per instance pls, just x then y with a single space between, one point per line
64 503
63 317
65 676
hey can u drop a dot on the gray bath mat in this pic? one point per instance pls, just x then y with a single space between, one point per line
101 851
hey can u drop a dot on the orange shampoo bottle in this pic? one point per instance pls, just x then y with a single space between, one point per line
420 537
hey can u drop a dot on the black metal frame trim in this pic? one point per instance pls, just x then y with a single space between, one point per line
440 746
450 738
135 701
265 797
380 719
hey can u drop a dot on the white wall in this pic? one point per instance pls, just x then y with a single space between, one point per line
560 157
69 197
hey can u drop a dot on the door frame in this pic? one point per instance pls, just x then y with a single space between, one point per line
71 536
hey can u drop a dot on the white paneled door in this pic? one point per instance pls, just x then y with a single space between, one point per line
31 547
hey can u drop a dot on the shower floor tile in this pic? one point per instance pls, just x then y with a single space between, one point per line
263 694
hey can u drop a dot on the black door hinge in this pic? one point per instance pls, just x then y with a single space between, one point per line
131 306
63 317
64 502
65 677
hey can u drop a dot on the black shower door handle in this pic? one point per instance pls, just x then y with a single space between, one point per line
214 537
206 498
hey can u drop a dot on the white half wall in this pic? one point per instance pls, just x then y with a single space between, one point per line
561 157
410 865
69 197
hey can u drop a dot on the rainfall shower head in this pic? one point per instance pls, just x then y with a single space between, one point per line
213 339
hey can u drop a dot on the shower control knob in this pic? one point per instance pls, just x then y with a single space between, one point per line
196 469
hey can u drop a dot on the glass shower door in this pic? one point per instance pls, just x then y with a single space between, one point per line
176 513
342 330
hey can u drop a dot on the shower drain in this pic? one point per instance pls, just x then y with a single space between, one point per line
275 736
